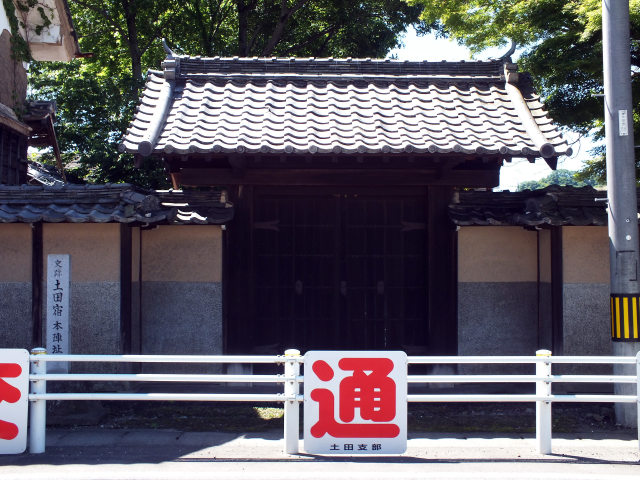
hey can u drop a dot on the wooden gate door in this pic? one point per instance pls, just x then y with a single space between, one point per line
383 272
341 270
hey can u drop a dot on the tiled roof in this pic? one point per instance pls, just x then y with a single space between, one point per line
553 205
309 106
121 203
41 174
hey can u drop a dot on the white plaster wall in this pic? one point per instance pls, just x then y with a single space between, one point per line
585 254
94 249
50 34
182 253
497 254
15 253
4 21
53 43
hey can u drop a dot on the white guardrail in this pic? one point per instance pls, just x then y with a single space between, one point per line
291 380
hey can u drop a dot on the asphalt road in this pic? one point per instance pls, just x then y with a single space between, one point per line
167 454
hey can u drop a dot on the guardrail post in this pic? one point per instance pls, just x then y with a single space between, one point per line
38 408
291 406
543 408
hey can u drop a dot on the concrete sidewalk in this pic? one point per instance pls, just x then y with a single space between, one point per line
93 453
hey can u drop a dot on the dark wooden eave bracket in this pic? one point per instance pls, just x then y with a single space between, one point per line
197 177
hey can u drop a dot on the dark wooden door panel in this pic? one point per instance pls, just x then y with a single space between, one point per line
335 270
381 259
295 256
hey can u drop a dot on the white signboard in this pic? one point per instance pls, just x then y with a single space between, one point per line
355 403
14 400
623 123
58 280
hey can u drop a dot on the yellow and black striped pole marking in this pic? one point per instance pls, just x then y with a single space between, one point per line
624 317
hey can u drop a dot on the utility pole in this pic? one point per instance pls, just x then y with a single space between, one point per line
621 186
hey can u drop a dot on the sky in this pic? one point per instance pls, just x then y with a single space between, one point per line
519 170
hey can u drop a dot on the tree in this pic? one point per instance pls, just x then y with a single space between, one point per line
561 45
96 97
558 177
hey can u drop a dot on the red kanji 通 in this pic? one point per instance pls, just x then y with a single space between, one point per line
369 388
9 394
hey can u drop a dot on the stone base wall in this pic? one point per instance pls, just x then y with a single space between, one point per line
16 323
497 318
95 318
586 319
181 318
586 329
94 324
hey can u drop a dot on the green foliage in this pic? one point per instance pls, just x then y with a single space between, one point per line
94 111
96 97
292 28
561 46
558 177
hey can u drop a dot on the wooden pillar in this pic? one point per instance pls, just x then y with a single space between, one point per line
36 284
442 273
125 289
557 291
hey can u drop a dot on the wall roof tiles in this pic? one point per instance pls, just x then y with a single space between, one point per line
551 206
121 203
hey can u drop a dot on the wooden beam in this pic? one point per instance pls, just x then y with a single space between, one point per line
197 177
175 181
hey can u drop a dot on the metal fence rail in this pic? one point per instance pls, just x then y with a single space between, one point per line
38 378
291 381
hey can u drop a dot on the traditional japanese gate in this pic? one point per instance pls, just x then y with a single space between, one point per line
349 268
337 268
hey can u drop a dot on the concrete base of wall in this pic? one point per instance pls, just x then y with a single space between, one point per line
95 318
586 319
497 319
586 330
15 315
95 324
181 318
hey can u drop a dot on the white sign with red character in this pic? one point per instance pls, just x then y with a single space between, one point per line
14 400
355 403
